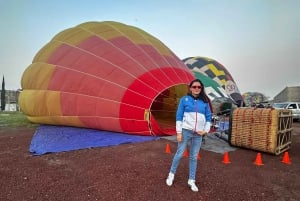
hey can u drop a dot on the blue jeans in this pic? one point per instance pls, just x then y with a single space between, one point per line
195 141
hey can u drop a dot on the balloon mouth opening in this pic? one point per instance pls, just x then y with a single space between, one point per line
164 108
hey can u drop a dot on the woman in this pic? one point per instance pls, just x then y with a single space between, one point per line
193 121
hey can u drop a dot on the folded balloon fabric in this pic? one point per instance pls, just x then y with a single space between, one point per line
50 139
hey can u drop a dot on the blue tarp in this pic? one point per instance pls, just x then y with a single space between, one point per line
48 139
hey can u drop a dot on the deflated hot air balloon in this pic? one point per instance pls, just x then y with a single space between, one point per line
216 71
252 98
107 76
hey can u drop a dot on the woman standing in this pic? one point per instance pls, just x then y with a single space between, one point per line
193 121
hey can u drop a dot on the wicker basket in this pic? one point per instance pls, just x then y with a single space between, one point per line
266 130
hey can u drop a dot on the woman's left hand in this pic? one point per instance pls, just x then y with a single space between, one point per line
202 133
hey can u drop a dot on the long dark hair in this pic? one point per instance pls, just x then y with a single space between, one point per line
202 96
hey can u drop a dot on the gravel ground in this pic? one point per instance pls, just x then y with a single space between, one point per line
138 172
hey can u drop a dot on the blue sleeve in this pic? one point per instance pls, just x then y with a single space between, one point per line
207 113
180 110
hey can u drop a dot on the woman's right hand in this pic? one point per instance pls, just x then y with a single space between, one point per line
179 137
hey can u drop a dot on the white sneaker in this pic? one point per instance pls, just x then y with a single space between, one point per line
169 180
192 185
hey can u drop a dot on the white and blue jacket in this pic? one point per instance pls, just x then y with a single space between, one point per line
193 114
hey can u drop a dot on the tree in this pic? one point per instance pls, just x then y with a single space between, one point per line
3 95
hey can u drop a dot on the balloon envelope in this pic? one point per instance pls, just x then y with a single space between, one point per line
254 98
107 76
216 71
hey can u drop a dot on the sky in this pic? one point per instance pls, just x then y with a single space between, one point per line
258 41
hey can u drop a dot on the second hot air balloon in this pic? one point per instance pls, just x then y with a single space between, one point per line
217 72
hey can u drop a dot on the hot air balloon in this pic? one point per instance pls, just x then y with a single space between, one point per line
107 76
253 98
216 71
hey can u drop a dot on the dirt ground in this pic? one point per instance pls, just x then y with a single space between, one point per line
138 172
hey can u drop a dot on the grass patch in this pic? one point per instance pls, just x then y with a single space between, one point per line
15 119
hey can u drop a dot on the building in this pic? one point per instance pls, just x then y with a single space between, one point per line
11 99
288 94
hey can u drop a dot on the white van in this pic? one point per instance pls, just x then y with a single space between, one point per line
294 106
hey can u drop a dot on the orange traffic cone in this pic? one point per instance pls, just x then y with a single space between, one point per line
226 158
186 153
286 158
168 149
198 157
258 160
